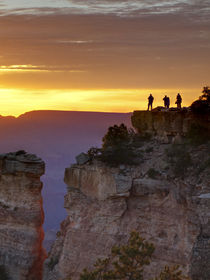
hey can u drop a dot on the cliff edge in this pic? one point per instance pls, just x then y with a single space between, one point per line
21 216
168 125
165 197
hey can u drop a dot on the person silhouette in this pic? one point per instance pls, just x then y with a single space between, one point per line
150 101
179 101
165 101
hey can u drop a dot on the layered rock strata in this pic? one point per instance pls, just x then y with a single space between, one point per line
105 204
21 216
168 125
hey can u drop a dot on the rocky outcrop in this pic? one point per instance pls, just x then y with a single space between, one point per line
105 204
168 125
21 216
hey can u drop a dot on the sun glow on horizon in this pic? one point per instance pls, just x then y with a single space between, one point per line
104 56
16 101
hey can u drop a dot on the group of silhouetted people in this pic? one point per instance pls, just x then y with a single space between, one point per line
166 100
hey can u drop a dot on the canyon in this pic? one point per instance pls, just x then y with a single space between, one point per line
165 196
35 132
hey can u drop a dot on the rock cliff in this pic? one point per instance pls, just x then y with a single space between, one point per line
166 198
168 125
21 216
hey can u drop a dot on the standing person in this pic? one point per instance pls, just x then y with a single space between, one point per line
165 99
150 101
168 102
179 101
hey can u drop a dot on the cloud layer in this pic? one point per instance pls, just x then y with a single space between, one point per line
105 44
113 7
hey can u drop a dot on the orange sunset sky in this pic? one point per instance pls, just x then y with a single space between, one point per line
101 55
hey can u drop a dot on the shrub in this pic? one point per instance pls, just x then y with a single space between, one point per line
173 273
180 159
93 152
203 166
138 140
52 263
206 94
127 262
182 163
152 173
116 135
3 273
202 105
149 150
118 146
197 134
121 154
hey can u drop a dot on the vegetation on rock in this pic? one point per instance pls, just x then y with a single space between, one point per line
118 147
197 134
116 135
206 94
152 173
52 263
127 262
173 273
121 154
121 145
202 105
179 158
3 273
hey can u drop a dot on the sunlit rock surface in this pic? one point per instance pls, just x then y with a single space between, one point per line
21 215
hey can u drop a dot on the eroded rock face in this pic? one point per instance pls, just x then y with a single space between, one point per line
98 181
168 125
105 204
21 215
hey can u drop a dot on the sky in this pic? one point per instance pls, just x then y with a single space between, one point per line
101 55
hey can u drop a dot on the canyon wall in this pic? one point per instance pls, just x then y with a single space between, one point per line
168 125
105 204
21 216
166 198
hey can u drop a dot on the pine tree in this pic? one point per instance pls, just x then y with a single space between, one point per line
127 262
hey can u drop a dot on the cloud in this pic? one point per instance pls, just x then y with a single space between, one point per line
35 68
72 47
108 51
108 7
75 42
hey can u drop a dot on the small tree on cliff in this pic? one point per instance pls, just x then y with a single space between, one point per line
206 94
116 135
127 262
173 273
202 105
117 148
